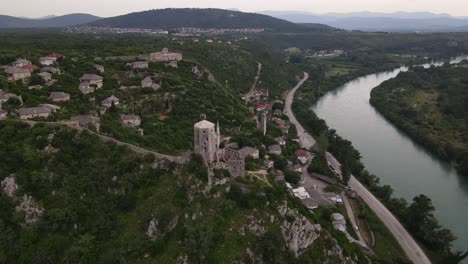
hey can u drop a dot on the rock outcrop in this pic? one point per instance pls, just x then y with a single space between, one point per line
298 234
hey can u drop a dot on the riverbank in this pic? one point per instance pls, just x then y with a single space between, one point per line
429 111
345 152
401 239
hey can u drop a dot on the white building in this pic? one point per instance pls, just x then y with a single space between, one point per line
301 193
47 61
130 120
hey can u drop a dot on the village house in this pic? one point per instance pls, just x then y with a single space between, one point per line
165 55
53 108
45 76
109 101
59 97
3 114
301 193
275 149
56 56
139 65
99 68
249 152
47 61
28 67
48 69
302 156
20 63
147 82
92 79
86 88
130 120
295 168
284 129
87 121
32 112
172 64
15 74
5 97
281 141
268 164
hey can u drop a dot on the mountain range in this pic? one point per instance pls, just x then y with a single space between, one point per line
46 22
370 21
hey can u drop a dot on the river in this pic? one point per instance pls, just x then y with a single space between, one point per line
391 155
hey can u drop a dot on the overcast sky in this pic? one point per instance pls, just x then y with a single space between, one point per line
105 8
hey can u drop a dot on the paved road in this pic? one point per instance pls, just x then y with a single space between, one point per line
409 245
406 241
352 218
305 139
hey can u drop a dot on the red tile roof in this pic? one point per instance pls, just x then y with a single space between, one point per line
163 117
55 55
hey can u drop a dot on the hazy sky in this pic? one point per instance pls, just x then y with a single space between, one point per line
37 8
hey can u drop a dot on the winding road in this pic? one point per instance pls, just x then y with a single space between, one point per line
406 241
306 140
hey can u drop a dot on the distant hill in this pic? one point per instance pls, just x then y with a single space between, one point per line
200 18
51 22
369 21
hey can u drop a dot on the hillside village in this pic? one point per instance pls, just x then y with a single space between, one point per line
130 103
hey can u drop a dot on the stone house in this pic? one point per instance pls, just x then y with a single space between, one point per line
86 88
165 55
5 97
52 70
92 79
268 164
20 63
32 112
249 152
47 61
59 97
109 101
53 108
45 76
28 67
275 149
295 168
139 65
15 74
147 82
87 121
99 68
56 56
302 156
281 141
172 64
130 120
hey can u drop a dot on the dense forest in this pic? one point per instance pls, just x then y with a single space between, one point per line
430 105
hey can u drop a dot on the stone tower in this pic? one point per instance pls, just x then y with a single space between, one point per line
206 140
264 122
